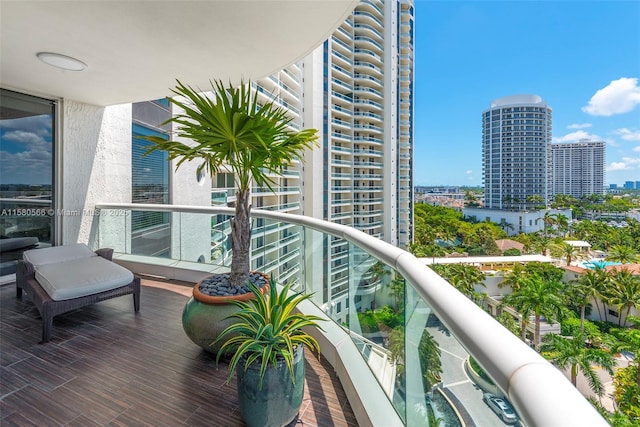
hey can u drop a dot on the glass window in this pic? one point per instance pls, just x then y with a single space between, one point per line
150 231
27 133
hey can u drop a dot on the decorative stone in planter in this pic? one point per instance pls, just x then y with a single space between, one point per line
205 313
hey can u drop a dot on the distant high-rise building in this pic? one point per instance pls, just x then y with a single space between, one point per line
628 185
637 185
578 168
516 135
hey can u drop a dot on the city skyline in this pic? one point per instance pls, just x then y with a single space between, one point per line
582 60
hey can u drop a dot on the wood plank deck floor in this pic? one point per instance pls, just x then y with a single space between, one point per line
106 366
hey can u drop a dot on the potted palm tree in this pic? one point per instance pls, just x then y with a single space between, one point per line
267 341
230 129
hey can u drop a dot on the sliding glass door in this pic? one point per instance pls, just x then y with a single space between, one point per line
27 209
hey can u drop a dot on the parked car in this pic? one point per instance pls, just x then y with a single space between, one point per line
501 407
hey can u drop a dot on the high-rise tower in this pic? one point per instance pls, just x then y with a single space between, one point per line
516 153
357 90
578 168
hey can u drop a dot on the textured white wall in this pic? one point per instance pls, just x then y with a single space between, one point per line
96 166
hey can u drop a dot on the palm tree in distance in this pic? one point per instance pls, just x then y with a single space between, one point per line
562 222
573 353
624 292
463 277
377 273
540 297
590 286
233 130
622 254
564 250
514 278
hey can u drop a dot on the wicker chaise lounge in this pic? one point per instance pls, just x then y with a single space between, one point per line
63 278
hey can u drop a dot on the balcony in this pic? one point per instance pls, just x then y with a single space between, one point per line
153 341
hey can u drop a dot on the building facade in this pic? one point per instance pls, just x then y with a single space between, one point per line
357 91
578 168
516 154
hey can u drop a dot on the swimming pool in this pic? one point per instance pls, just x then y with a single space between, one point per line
599 264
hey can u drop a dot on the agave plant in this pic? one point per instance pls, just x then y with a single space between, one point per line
268 330
232 129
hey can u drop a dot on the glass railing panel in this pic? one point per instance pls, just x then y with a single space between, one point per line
421 366
276 249
200 238
114 230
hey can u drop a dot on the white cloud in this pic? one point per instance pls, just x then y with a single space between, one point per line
469 172
636 149
620 96
579 126
628 134
627 163
577 136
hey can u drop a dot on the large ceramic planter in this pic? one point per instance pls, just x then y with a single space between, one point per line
279 400
204 317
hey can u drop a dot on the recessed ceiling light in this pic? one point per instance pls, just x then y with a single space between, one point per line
61 61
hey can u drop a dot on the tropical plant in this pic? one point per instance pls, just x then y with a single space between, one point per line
593 284
507 320
514 278
566 251
267 330
539 297
463 277
234 130
622 254
377 273
624 292
430 363
573 353
397 287
627 380
581 291
562 222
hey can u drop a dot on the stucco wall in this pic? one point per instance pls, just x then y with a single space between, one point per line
96 165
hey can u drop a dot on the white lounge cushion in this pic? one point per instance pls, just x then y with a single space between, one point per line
80 277
58 254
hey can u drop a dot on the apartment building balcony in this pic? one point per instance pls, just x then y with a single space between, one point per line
368 80
340 44
368 33
368 18
369 68
370 6
358 113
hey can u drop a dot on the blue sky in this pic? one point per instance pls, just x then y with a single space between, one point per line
581 57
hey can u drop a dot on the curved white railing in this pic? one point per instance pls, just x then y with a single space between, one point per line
540 393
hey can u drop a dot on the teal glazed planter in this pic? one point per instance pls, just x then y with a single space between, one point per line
279 400
203 322
204 317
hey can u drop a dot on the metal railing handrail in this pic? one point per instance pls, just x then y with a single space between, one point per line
511 363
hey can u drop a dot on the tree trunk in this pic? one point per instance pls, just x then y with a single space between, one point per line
241 240
582 311
574 374
536 337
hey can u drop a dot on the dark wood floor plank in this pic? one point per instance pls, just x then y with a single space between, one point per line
106 366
